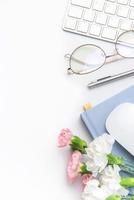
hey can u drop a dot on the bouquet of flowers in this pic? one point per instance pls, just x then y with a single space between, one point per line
98 167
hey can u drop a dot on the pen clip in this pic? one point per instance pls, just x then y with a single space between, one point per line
110 78
96 82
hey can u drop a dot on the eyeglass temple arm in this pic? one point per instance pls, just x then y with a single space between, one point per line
70 71
109 59
113 58
67 56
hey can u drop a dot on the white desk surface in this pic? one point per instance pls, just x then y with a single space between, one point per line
38 98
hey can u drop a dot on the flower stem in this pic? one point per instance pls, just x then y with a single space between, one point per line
128 169
128 198
121 162
116 197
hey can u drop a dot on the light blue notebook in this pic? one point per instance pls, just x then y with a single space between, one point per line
95 118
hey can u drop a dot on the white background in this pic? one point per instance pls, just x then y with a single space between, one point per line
38 98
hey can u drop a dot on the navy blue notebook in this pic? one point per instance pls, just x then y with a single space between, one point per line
95 118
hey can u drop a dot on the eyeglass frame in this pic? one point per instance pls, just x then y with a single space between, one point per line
69 56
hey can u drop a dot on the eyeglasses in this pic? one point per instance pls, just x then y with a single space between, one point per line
89 58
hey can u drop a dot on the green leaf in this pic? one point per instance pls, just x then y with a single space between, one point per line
78 144
115 160
114 197
127 182
83 169
121 162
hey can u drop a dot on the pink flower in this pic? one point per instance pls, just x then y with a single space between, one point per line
64 138
86 178
74 166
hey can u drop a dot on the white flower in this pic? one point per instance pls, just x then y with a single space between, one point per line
96 164
92 191
111 178
101 145
97 152
110 173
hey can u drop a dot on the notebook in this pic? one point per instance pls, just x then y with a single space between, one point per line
95 119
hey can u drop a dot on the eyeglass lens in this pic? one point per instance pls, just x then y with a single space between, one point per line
125 44
87 58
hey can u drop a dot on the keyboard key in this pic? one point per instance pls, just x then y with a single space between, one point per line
132 14
113 21
126 25
98 5
111 0
110 8
101 18
124 2
89 15
83 27
122 11
109 33
70 23
132 3
83 3
95 30
75 11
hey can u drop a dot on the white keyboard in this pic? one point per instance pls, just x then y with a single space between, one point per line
102 19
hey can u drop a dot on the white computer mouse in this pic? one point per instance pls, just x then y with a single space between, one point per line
120 125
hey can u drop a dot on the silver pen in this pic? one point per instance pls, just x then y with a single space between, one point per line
110 78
